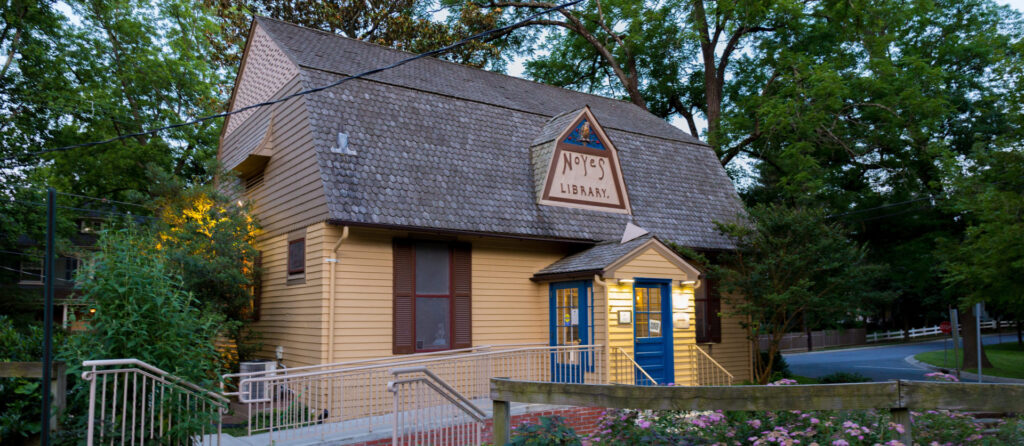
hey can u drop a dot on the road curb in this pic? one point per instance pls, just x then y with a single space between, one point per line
964 376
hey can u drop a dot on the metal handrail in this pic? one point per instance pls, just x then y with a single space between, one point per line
437 379
382 362
158 373
211 401
443 353
708 357
418 361
630 358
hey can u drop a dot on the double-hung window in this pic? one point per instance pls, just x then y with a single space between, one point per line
432 299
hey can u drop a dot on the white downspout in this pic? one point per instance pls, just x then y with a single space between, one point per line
331 297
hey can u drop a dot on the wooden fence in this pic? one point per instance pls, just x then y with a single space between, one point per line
35 370
820 339
928 331
897 396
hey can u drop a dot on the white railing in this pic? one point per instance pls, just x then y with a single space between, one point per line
133 402
313 402
625 369
927 331
230 382
707 371
427 410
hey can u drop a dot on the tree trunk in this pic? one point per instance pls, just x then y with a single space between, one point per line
807 332
906 326
970 336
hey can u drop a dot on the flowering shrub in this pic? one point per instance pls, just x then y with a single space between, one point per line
785 428
810 428
939 376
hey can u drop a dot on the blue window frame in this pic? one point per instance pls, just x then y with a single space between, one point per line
571 323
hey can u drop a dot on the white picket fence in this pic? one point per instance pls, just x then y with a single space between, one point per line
926 331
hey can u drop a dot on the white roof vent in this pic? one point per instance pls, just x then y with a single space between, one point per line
632 232
342 146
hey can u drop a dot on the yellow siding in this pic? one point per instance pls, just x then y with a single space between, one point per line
734 352
651 264
292 194
292 315
507 306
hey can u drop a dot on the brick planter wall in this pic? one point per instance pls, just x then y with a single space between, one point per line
582 419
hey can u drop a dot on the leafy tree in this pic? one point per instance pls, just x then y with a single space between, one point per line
408 25
121 67
209 238
867 100
792 263
985 266
672 57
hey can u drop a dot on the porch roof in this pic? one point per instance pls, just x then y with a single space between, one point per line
594 259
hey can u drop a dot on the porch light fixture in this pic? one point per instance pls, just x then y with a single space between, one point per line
692 283
626 281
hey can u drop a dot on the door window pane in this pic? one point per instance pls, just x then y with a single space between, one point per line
647 312
432 272
432 323
567 316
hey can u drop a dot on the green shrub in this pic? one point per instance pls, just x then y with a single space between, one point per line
843 377
550 431
142 312
20 411
780 368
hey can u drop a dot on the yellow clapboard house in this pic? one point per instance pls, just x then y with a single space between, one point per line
437 207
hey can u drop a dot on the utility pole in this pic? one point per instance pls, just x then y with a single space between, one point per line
48 270
977 327
955 319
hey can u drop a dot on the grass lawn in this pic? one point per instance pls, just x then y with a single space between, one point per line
1007 360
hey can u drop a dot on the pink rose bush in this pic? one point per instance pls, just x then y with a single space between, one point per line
804 428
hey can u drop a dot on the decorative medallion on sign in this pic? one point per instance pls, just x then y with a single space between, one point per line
583 136
583 169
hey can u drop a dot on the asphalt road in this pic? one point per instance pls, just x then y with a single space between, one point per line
878 363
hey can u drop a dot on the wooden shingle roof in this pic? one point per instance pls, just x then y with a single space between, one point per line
437 145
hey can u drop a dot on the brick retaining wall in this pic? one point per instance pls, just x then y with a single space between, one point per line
582 419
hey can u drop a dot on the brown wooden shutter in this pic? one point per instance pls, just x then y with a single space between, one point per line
462 299
714 307
404 304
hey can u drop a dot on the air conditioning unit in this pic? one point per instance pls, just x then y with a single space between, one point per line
254 390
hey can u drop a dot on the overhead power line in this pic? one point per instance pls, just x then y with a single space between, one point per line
304 92
104 200
898 203
33 274
70 208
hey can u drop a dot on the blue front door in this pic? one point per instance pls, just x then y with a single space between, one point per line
652 330
570 326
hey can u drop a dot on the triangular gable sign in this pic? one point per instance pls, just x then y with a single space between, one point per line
584 170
